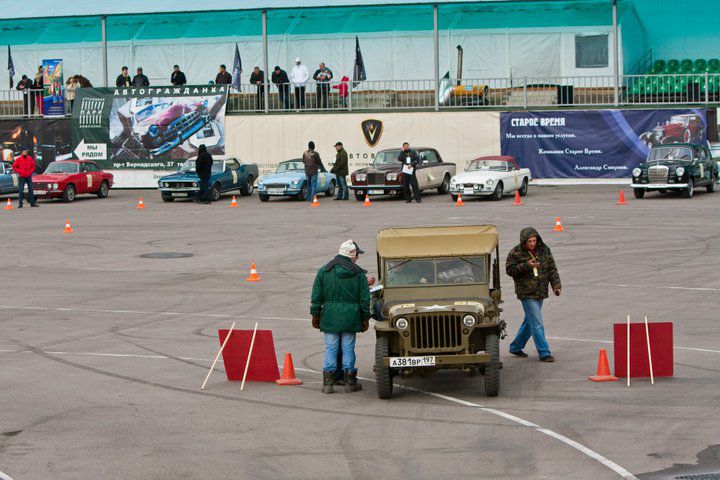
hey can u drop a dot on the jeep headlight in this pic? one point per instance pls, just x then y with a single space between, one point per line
195 184
401 323
361 177
636 172
469 321
490 181
679 171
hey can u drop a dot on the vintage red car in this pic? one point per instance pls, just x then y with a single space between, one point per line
68 178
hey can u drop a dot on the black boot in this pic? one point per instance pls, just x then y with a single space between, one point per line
328 379
351 383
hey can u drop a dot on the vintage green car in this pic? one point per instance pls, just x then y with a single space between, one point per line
680 166
439 306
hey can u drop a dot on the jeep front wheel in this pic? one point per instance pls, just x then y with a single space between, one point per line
492 369
383 376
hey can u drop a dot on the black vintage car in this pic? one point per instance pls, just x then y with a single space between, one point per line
680 166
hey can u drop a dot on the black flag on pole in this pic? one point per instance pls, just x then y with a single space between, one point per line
11 67
359 70
237 69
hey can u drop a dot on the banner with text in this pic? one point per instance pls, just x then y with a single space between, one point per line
594 143
53 88
148 127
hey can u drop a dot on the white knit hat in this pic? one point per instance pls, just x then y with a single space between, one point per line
348 249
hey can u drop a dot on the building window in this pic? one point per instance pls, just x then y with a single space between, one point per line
591 51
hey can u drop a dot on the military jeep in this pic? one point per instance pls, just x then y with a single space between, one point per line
436 308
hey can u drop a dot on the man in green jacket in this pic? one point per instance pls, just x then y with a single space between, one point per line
340 308
340 169
532 267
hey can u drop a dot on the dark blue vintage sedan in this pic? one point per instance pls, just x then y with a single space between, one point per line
228 174
8 180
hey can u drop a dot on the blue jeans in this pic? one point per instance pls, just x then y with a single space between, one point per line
311 186
532 326
332 344
22 181
343 192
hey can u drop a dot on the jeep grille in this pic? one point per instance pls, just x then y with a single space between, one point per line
436 332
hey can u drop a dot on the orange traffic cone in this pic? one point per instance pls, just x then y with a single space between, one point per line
367 201
68 228
621 200
288 375
233 204
517 199
141 204
459 202
603 369
558 225
315 202
253 277
8 206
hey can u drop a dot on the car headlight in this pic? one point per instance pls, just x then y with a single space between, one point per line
636 172
391 176
401 323
195 184
469 321
166 184
55 186
476 187
679 171
295 181
489 182
361 177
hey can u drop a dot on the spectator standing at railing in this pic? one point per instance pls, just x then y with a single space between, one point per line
223 77
83 82
70 87
257 78
322 76
177 77
24 86
140 80
123 80
299 76
279 77
342 89
38 90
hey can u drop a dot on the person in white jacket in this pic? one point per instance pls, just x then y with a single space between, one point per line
299 75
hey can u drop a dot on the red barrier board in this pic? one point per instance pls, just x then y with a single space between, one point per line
263 362
661 347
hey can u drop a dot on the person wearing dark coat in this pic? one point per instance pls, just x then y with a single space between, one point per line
24 86
140 80
257 78
340 169
203 168
177 77
223 77
280 78
532 267
123 80
410 160
313 165
322 76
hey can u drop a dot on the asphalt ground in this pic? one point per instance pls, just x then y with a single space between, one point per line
102 351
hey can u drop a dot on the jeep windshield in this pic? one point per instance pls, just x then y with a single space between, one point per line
386 157
189 166
670 153
435 271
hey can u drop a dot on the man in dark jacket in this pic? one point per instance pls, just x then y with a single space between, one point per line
280 78
24 86
532 267
410 160
257 78
313 165
24 166
140 80
123 80
322 76
223 77
203 168
177 77
340 308
340 169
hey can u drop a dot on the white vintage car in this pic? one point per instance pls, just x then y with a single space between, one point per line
490 176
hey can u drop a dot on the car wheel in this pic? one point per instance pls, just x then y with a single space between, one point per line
359 196
498 193
215 192
69 193
249 187
492 369
383 376
263 197
444 187
690 190
639 192
167 198
330 191
103 190
453 197
713 186
524 187
302 194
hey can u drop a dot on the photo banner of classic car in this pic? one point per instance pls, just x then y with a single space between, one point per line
148 128
594 143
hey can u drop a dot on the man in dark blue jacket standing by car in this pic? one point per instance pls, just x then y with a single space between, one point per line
410 160
203 168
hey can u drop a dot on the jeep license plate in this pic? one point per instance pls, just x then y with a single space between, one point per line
410 362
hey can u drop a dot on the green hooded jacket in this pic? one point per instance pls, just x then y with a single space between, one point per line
527 285
341 297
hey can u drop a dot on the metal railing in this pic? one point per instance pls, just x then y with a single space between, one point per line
489 93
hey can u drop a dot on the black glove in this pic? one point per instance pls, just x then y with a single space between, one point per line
316 321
